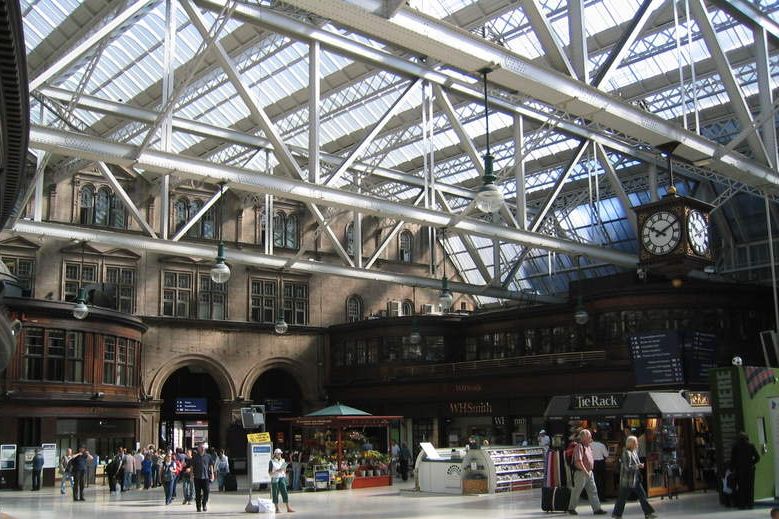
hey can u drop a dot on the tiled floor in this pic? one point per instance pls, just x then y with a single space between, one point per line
398 501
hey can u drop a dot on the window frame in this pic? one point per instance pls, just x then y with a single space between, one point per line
408 256
12 262
359 313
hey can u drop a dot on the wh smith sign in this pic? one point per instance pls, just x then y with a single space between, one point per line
598 401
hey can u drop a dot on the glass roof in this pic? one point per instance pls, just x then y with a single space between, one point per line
355 96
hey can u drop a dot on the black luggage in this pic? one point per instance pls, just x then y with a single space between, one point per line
555 499
231 484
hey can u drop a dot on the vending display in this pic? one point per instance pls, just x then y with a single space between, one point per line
504 469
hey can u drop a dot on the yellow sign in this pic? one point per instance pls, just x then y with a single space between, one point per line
258 437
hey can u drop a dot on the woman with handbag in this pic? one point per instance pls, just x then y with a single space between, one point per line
630 480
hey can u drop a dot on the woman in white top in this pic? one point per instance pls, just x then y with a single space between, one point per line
277 468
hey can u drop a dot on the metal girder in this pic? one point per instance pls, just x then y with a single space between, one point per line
736 96
71 144
419 33
621 48
553 49
314 104
768 106
578 38
467 242
202 129
538 219
616 185
391 235
280 149
167 247
88 44
747 12
368 139
128 203
203 210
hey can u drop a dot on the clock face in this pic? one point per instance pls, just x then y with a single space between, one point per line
661 233
698 232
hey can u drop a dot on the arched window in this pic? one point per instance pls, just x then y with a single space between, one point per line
259 225
103 206
291 231
180 213
408 307
279 224
118 214
404 246
87 209
208 224
350 238
194 207
353 309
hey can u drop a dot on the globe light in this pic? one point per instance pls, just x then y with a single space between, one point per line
489 199
737 361
415 337
220 272
80 310
281 326
16 327
581 316
445 298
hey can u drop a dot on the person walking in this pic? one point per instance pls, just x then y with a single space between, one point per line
138 477
743 458
404 461
79 466
297 470
222 469
582 475
630 480
599 454
146 469
185 475
128 470
395 458
203 474
64 467
277 468
156 463
37 468
112 470
168 477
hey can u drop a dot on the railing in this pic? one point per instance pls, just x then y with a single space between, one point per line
453 369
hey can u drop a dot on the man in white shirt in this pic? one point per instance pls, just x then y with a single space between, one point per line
599 454
543 440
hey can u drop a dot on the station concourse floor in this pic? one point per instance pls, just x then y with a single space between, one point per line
397 501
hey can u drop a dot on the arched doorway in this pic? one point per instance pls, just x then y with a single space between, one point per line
278 391
190 412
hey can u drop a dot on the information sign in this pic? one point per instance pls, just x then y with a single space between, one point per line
263 437
191 406
700 356
259 457
657 358
49 451
8 457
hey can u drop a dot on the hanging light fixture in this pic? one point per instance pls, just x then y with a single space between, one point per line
281 325
80 310
489 199
220 272
580 315
445 298
414 337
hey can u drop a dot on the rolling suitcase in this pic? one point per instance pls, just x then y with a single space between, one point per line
555 499
231 484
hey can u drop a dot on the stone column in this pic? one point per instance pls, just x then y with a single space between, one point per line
231 411
150 422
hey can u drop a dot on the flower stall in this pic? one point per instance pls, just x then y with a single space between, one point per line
339 436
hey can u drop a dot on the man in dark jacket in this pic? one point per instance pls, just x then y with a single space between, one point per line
37 467
203 474
743 458
79 466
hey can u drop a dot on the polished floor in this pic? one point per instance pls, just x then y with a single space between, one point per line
398 501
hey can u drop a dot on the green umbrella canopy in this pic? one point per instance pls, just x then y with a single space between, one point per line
339 410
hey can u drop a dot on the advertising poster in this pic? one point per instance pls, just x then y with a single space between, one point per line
8 457
49 451
260 455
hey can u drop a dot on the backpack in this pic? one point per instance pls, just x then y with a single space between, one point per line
178 467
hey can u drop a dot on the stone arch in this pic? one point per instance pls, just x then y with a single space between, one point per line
213 368
308 387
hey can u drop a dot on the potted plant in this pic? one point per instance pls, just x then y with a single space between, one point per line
347 478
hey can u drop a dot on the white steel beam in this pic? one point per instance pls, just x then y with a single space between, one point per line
616 186
736 96
413 30
197 216
765 93
368 139
578 37
391 235
168 82
88 44
91 148
553 49
314 95
746 11
128 203
538 219
621 48
280 149
519 171
467 242
167 247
